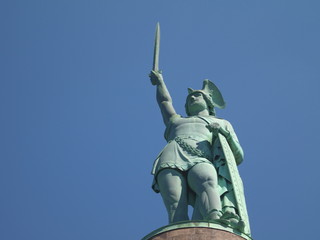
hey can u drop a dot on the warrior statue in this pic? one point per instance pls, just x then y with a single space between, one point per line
198 166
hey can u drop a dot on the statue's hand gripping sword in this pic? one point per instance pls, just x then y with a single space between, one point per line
155 67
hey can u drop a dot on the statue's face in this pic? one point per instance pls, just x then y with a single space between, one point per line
196 102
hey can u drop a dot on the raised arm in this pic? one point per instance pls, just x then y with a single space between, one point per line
163 96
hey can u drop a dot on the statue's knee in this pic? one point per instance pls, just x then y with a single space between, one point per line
210 183
171 195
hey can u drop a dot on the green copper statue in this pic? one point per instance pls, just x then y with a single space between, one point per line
198 166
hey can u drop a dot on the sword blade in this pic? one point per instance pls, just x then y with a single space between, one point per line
156 51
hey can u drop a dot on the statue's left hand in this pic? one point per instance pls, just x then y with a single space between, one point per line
215 128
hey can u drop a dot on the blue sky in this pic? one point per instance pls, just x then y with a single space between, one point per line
80 126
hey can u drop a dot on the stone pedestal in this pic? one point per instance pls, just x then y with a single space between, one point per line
196 231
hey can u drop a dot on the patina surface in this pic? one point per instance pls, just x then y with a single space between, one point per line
198 166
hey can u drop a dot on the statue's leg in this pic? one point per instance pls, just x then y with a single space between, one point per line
196 215
230 215
173 189
203 180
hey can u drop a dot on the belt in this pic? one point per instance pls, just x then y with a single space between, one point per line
192 150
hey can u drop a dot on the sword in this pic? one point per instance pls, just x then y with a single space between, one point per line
236 182
155 66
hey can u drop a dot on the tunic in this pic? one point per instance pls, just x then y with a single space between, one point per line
190 131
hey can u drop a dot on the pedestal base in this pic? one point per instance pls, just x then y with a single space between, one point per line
196 231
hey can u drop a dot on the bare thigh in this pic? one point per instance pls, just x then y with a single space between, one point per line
203 180
173 189
201 175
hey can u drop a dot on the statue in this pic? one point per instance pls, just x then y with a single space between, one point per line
198 166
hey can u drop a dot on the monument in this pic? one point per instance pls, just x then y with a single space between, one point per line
198 166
